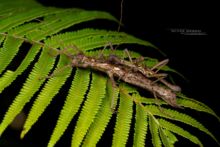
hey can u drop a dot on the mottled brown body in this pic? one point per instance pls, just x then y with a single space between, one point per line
124 73
149 73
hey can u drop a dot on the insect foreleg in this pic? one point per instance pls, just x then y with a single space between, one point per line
159 65
56 72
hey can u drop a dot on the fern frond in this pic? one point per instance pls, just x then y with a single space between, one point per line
196 105
167 138
28 22
32 84
8 51
88 39
171 137
178 116
51 88
11 44
123 120
24 29
178 130
73 101
164 138
141 124
7 78
102 117
154 130
25 15
184 102
56 23
90 108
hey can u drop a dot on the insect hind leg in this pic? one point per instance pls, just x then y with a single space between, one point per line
157 102
101 54
114 86
159 65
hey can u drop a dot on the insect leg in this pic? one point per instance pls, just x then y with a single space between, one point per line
101 56
128 54
157 101
159 77
57 71
159 65
159 105
171 86
114 86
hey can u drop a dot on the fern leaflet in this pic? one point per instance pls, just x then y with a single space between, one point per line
90 108
123 122
141 124
174 128
72 104
102 117
31 85
50 89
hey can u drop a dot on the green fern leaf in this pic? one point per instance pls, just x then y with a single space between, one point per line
12 44
32 84
45 97
174 128
171 137
123 121
73 101
154 130
89 39
58 22
196 105
102 117
184 102
8 78
5 77
164 138
141 123
90 95
25 15
175 115
90 108
8 51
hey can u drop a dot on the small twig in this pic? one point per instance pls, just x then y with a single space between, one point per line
121 14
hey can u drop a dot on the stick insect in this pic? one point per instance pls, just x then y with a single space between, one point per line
148 72
123 72
122 69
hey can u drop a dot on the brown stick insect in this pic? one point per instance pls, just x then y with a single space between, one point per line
126 71
148 72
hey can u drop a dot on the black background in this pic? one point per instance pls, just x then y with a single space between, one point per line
193 55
